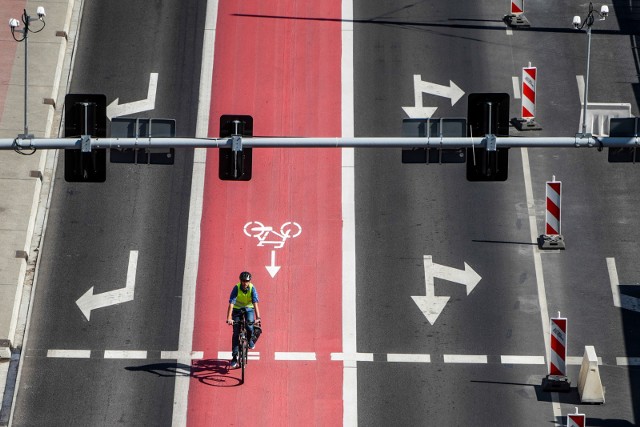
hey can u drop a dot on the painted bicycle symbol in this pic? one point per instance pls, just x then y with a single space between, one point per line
266 235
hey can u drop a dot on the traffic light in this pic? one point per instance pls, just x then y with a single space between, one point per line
85 115
235 162
621 127
488 114
125 127
434 128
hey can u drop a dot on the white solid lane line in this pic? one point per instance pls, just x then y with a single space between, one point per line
187 316
537 261
350 367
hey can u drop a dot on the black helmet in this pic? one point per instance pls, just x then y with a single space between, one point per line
245 276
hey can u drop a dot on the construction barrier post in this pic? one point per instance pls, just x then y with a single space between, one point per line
552 237
589 383
516 16
528 110
557 379
576 420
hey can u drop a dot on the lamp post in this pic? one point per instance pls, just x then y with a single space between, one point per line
14 24
579 25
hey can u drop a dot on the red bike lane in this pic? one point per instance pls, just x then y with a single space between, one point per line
280 63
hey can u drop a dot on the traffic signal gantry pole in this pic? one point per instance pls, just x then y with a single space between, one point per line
87 143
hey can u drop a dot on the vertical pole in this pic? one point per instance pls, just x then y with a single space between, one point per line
586 84
26 71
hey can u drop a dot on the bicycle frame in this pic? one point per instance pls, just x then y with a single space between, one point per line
244 342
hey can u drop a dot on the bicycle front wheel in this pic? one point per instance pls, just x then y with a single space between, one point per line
243 357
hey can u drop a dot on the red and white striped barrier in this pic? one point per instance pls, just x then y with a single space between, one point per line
576 420
517 7
516 17
552 239
558 356
528 111
554 191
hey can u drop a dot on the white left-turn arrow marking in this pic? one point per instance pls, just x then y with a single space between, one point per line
115 109
273 268
90 301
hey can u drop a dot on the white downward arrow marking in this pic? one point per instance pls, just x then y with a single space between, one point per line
418 111
90 301
115 109
432 305
273 268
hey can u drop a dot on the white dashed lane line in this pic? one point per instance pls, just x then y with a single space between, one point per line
312 356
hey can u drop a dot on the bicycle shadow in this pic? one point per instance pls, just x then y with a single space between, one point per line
211 372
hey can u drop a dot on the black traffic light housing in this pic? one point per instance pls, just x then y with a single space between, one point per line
624 127
434 128
488 114
85 114
235 163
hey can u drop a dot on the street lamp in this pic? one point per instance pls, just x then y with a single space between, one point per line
579 25
14 24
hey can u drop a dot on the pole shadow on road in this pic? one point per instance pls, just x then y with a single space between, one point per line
212 372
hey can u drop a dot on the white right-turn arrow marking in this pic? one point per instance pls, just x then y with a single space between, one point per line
432 305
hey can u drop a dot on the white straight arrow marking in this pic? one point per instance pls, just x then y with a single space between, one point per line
432 305
115 109
273 268
90 301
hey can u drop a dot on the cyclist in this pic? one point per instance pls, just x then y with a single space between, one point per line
243 295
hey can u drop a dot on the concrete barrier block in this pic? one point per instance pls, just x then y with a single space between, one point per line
589 383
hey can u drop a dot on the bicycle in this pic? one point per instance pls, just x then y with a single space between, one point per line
243 338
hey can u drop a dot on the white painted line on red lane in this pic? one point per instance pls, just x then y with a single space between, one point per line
522 360
292 355
226 355
125 354
349 343
465 358
409 358
69 354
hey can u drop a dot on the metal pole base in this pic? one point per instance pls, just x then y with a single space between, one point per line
524 124
516 21
551 242
556 383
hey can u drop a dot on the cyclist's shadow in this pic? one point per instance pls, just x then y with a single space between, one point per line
212 372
